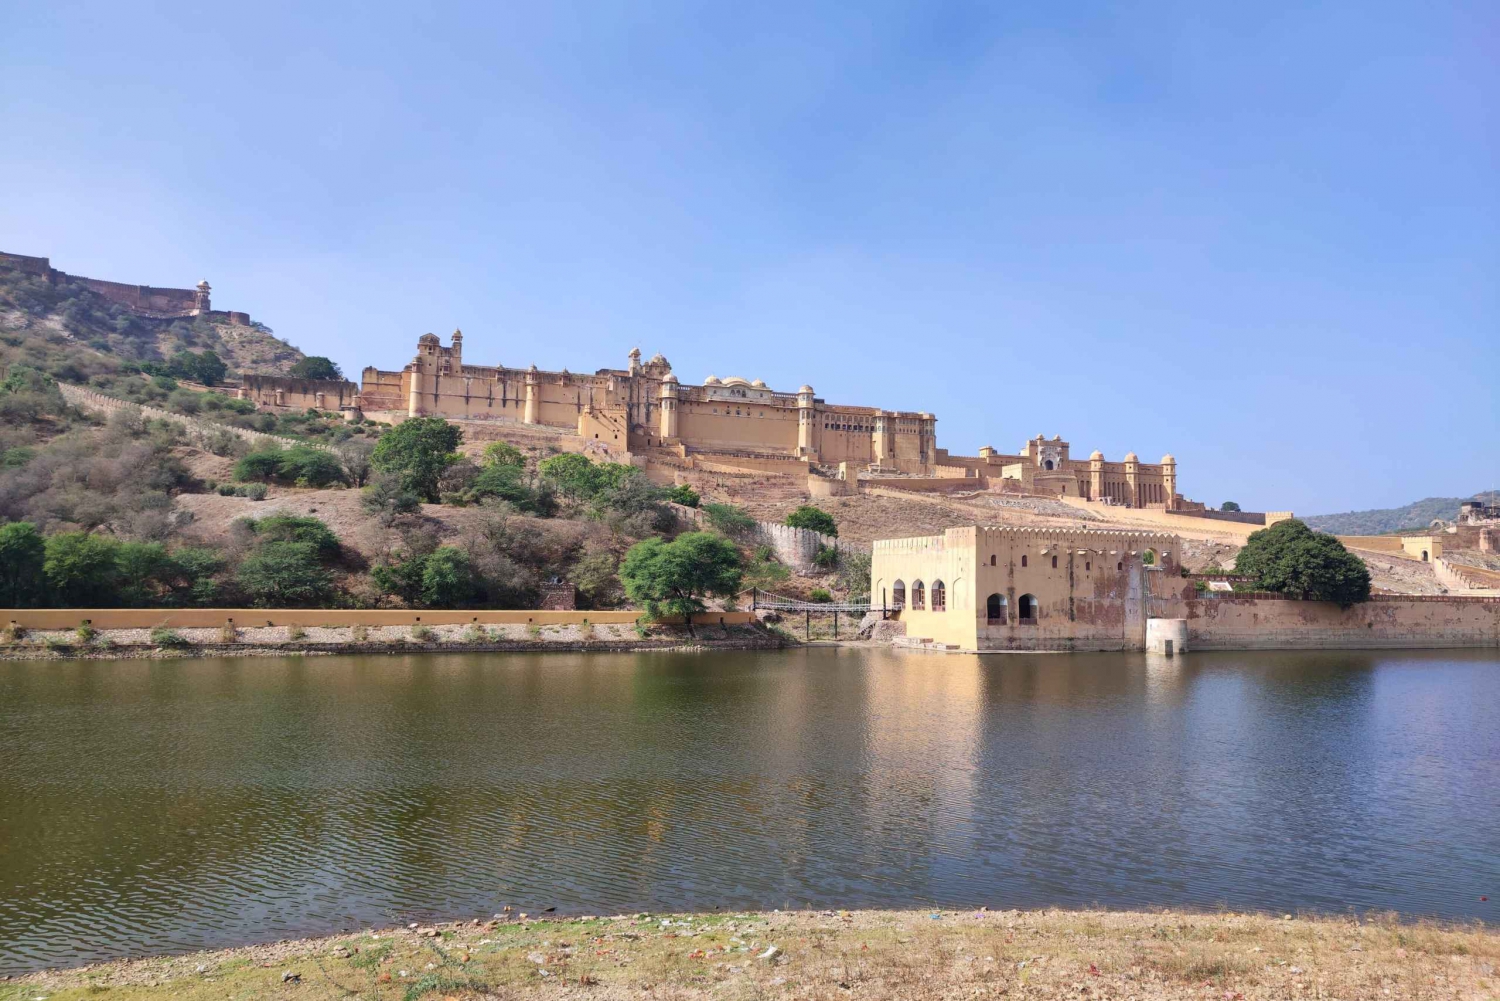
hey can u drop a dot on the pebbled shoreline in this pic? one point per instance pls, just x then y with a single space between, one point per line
915 954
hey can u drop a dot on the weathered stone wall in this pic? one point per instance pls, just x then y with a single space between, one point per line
796 547
186 618
298 394
196 430
1395 621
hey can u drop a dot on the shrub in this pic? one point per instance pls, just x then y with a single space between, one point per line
1292 559
296 633
732 521
311 467
1229 506
826 558
422 634
386 498
164 637
258 466
255 491
86 634
476 633
228 490
814 519
819 594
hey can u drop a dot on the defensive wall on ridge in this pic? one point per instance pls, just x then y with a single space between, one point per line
145 300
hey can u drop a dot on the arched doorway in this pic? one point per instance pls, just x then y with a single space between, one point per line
1026 609
1047 465
994 609
898 594
918 596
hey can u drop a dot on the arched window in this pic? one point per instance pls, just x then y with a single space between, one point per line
939 597
918 596
898 594
1149 557
994 609
1424 556
1027 609
1023 560
992 559
1054 563
1047 465
1120 565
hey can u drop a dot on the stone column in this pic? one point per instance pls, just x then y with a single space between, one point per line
1169 480
533 397
414 393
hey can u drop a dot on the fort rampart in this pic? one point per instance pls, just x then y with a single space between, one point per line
144 300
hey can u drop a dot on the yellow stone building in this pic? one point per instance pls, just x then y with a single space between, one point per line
979 588
645 406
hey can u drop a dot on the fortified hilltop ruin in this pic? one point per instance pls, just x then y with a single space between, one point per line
143 300
644 413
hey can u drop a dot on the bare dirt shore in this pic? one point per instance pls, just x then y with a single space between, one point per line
831 954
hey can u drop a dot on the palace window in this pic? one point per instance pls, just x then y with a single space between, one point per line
1023 561
918 596
1027 609
992 559
994 608
1054 563
939 597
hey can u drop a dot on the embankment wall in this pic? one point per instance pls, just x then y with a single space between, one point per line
189 618
1385 621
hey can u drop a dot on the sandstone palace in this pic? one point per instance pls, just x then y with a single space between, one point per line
644 411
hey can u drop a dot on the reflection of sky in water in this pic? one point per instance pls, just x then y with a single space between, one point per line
154 806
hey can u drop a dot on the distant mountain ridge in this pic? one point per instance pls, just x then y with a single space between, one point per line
1418 514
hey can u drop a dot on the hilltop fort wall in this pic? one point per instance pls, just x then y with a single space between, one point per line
144 300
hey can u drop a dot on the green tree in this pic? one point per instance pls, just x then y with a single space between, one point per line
285 575
573 475
673 578
733 521
684 495
501 453
206 367
315 367
295 528
447 578
402 579
80 569
813 518
417 451
261 467
1229 506
312 467
22 554
1291 558
145 570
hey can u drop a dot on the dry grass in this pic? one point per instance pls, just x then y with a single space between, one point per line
865 954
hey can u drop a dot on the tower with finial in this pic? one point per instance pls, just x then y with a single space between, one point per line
457 351
201 305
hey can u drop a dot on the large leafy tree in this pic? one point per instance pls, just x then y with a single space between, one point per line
673 578
81 570
1292 559
813 518
417 451
22 552
573 475
285 575
315 367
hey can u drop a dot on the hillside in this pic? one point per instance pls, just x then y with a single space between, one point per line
1418 514
71 332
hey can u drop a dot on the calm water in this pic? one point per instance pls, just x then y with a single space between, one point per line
164 806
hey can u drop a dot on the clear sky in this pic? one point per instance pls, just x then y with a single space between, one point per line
1264 237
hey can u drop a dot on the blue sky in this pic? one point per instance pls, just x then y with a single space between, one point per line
1264 237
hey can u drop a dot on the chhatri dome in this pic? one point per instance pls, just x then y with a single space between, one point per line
1097 454
712 380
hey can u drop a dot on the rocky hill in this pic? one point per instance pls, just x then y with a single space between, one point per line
1416 515
70 331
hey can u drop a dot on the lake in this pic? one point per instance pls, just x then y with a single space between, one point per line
156 806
